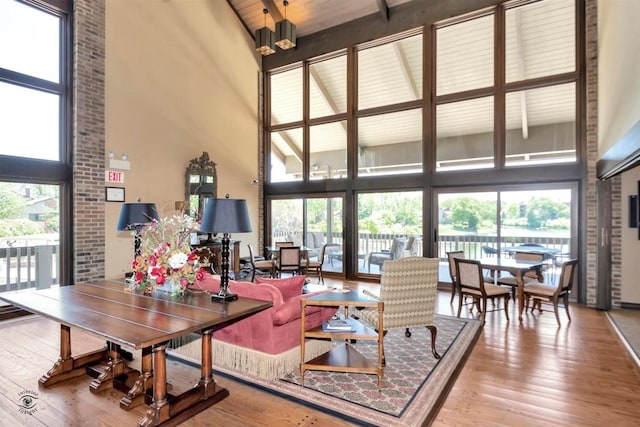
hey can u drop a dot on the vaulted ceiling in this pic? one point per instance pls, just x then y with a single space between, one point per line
309 16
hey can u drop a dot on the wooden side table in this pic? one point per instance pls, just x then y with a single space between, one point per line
345 357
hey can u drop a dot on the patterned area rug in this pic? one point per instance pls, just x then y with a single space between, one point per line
414 384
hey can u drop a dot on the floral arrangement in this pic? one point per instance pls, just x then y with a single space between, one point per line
166 258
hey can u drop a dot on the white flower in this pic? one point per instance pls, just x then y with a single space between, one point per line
178 260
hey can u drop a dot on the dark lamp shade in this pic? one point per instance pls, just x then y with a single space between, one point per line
265 41
135 215
225 216
285 34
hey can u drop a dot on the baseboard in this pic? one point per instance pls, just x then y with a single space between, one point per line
630 305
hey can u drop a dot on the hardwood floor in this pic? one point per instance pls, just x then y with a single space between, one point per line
519 374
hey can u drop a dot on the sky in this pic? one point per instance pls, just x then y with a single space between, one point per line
29 44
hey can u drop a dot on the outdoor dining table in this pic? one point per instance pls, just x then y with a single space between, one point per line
548 253
517 268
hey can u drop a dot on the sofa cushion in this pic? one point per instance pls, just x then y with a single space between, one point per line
289 287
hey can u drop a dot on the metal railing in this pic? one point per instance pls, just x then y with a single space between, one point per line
26 267
471 245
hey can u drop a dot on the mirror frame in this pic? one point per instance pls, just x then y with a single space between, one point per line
205 170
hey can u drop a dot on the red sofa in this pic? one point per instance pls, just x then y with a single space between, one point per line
266 344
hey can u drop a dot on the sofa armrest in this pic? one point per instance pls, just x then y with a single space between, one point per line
264 291
292 309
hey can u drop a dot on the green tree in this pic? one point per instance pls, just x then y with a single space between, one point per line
465 213
11 203
542 210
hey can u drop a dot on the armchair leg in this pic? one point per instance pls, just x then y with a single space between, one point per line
434 333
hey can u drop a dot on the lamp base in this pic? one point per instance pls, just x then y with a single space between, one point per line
224 297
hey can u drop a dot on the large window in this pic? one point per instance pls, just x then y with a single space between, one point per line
389 227
488 223
35 173
467 102
31 52
540 106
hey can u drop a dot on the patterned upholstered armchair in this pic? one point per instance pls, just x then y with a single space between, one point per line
396 252
408 287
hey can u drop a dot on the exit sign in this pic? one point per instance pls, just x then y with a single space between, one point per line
114 176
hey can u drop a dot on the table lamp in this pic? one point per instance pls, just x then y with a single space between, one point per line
134 216
225 216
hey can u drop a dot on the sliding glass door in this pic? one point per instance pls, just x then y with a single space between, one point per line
496 223
311 222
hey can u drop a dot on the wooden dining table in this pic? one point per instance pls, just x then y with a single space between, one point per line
517 269
138 321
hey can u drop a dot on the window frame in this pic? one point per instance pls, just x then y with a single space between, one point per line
430 180
30 170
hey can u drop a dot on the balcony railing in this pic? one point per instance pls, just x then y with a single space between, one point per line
28 267
472 245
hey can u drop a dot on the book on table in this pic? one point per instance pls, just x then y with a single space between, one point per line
338 325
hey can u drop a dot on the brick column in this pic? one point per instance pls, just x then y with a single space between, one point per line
88 140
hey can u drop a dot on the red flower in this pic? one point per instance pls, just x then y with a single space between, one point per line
200 274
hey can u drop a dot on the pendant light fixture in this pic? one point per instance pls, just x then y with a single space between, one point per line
285 31
265 38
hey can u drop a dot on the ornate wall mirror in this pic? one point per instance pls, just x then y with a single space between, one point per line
201 183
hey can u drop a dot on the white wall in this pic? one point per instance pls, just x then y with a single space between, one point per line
630 292
181 78
618 70
619 111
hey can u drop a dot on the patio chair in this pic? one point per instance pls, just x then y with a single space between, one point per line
396 251
544 292
489 251
470 281
408 288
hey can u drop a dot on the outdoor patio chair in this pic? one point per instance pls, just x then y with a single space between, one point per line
395 252
544 292
408 288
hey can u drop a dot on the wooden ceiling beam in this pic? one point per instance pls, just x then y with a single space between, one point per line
270 5
405 16
384 9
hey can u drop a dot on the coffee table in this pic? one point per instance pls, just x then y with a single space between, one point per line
141 322
343 358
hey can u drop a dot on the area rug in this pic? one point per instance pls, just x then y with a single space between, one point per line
414 385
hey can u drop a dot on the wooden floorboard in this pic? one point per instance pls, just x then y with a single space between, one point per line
532 373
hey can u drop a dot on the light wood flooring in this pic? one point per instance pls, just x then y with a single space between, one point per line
532 373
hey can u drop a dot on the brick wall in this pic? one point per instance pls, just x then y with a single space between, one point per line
88 140
616 241
590 241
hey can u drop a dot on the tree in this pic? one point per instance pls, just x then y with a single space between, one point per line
541 210
465 213
11 203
